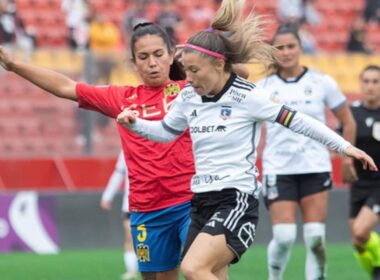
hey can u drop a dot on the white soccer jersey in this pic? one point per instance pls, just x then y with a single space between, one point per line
289 153
119 174
225 130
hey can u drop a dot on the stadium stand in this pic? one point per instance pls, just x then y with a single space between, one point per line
35 127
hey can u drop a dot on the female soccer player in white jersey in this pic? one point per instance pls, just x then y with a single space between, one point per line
224 113
296 169
365 191
119 175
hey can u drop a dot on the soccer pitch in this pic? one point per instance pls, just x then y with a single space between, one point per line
108 265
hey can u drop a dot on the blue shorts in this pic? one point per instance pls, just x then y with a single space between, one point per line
159 237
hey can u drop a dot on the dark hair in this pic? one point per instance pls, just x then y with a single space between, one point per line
149 28
287 28
370 67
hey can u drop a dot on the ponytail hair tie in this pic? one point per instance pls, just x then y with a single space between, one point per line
210 29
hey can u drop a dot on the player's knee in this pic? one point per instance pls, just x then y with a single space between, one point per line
314 236
359 236
191 270
285 235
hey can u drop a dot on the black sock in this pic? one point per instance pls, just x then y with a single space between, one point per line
376 273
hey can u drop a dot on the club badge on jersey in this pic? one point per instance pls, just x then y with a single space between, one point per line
172 90
225 112
143 254
376 131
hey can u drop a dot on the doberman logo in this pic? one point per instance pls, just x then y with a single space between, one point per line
221 128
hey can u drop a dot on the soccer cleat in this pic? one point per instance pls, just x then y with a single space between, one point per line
373 246
365 260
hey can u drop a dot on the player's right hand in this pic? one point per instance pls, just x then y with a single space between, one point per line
366 160
6 59
127 117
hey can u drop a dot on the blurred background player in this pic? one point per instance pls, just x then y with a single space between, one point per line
119 175
365 188
296 169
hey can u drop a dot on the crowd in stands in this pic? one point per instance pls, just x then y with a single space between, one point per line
99 31
326 25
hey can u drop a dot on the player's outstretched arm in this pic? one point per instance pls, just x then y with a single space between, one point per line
318 131
152 130
53 82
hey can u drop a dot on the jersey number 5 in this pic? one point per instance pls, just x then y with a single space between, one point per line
141 237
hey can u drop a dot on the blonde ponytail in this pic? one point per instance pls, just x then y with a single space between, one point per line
244 44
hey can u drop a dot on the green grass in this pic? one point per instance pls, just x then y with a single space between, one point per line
108 265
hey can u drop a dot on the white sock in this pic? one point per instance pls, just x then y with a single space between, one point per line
314 235
130 261
279 249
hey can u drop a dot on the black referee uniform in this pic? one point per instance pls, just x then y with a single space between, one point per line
366 191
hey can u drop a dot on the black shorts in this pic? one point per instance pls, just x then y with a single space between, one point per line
294 187
229 212
364 193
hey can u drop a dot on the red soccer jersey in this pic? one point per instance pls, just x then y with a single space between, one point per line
159 173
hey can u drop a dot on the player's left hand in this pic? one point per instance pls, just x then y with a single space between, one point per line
360 155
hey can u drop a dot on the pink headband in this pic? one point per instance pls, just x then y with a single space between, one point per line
206 51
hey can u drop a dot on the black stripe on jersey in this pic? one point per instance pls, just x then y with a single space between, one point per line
296 79
253 168
171 130
241 87
285 116
245 82
187 85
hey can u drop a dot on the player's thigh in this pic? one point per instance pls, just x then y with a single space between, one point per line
314 207
314 194
365 221
209 252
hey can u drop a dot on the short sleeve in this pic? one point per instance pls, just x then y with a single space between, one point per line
334 98
175 120
104 99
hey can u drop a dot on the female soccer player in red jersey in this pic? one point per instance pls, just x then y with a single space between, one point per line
159 173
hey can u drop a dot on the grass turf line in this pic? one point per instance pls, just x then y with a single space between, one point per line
108 265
